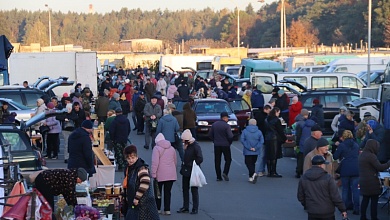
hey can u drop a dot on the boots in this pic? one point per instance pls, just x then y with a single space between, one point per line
269 168
273 169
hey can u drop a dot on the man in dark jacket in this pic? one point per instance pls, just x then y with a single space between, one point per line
184 91
80 114
257 98
318 112
119 132
222 136
80 148
101 107
260 122
139 112
150 89
282 102
310 143
346 122
318 193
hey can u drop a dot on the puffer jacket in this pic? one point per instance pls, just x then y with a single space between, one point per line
348 152
318 112
164 161
150 110
171 91
252 137
303 131
168 126
369 166
319 194
80 151
54 124
120 129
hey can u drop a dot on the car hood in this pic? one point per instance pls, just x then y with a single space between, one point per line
357 103
213 116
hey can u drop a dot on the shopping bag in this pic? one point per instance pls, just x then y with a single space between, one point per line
197 178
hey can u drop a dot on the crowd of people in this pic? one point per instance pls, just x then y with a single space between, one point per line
146 99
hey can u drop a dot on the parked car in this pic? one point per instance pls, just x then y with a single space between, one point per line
22 112
237 83
208 111
29 96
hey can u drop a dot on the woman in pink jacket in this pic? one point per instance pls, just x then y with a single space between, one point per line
164 170
171 90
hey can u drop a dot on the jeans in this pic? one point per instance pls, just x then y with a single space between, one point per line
186 194
374 206
218 151
260 161
66 137
250 162
350 192
167 185
134 117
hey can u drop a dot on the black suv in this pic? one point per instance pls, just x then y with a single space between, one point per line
331 99
29 96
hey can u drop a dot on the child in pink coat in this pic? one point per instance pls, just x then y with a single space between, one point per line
164 170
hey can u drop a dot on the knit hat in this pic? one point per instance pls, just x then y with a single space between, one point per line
373 124
281 92
295 98
50 105
318 160
316 128
65 95
343 108
252 121
115 96
77 94
304 111
322 142
118 110
171 106
186 135
127 80
40 101
160 137
86 86
82 174
87 124
316 101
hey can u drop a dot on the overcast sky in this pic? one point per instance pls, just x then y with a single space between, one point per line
102 6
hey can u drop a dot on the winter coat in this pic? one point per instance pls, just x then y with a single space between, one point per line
120 129
168 126
164 161
184 92
113 104
335 123
161 85
125 106
252 137
108 123
4 114
257 99
345 124
274 138
247 99
179 117
193 152
128 90
139 107
348 153
260 121
308 145
70 116
150 110
189 116
294 111
282 103
319 194
221 134
39 110
150 89
378 134
318 112
369 166
303 131
171 90
80 151
54 124
232 93
134 101
101 106
80 117
307 163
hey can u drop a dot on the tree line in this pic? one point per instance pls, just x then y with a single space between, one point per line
309 22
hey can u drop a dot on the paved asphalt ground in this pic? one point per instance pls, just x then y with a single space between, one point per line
269 198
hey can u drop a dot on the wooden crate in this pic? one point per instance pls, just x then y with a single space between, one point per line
98 135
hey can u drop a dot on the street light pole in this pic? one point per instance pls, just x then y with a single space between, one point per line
369 44
238 32
47 6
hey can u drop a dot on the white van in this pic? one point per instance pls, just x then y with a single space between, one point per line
309 69
316 80
356 65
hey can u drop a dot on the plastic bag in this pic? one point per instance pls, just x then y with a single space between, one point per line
197 178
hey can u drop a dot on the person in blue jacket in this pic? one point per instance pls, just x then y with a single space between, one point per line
80 148
252 139
348 153
257 98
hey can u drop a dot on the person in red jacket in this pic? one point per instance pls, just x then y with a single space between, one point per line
295 109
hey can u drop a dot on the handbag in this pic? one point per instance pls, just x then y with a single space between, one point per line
197 177
153 125
185 171
68 125
177 140
44 129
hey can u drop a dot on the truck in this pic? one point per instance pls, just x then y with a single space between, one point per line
80 67
258 65
223 62
176 62
356 65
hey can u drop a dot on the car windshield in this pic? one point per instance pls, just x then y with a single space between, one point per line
213 107
12 139
17 105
